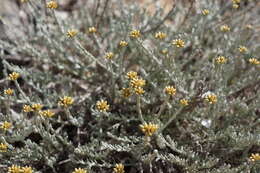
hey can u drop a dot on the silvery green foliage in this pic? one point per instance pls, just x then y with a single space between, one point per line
199 138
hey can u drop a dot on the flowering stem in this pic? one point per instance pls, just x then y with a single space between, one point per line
21 91
162 107
139 109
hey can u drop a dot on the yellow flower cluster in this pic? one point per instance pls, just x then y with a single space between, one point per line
242 49
36 107
135 34
13 76
136 85
126 92
221 60
109 55
224 28
123 43
102 105
47 113
211 98
254 61
9 91
131 75
3 147
160 35
236 3
52 5
170 90
66 101
184 102
119 168
79 170
205 12
5 125
149 129
92 30
19 169
179 43
255 157
72 33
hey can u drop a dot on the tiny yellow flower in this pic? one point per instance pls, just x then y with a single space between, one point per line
72 33
79 170
184 102
92 30
135 34
254 61
47 113
102 106
211 98
205 12
221 60
119 168
9 91
164 51
126 92
160 35
52 5
149 129
26 169
5 125
27 108
109 55
170 90
255 157
13 76
36 107
179 43
3 147
236 6
131 75
139 91
242 49
14 169
123 43
248 26
224 28
66 101
137 82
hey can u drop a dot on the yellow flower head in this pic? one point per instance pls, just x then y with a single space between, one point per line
164 51
179 43
126 92
3 147
221 60
52 5
137 82
255 157
79 170
119 168
149 129
254 61
123 43
210 98
205 12
235 6
160 35
224 28
242 49
131 75
13 76
236 1
248 26
47 113
5 125
92 30
36 107
14 169
102 106
139 91
184 102
27 169
9 91
170 90
109 55
135 34
22 1
66 101
27 108
72 33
